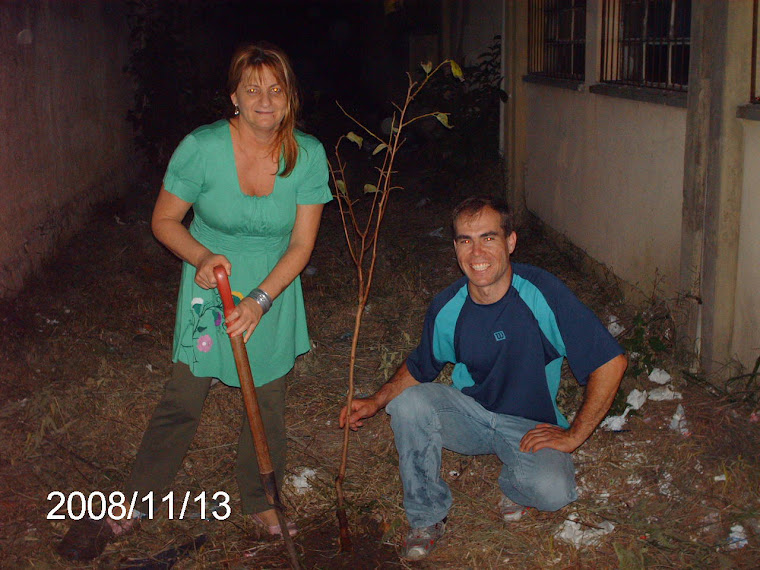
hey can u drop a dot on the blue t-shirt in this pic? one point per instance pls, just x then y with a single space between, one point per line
508 355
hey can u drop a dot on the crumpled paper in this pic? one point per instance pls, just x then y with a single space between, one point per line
738 537
614 326
664 393
678 422
659 376
636 398
580 535
615 423
300 481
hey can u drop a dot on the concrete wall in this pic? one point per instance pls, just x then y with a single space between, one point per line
64 140
608 174
746 335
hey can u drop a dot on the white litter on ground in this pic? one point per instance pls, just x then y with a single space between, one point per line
615 423
636 398
664 393
720 477
711 522
614 326
301 482
738 537
665 485
577 535
678 422
659 376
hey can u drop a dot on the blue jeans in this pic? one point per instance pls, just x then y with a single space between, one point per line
428 417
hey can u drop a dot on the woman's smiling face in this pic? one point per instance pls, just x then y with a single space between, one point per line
261 99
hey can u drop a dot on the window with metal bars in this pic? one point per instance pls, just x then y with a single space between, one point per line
646 43
557 38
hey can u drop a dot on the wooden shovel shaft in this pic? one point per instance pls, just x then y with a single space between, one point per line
266 470
243 366
251 404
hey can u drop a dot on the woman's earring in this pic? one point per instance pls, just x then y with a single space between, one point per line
237 110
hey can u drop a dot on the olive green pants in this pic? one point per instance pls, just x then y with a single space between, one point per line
173 426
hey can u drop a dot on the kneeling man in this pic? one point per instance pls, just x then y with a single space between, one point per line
507 328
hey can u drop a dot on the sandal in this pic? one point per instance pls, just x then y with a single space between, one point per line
274 529
86 538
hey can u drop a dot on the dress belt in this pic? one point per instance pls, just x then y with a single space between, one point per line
239 242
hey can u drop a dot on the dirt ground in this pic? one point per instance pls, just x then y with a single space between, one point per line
86 349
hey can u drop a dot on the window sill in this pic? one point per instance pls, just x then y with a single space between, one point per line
751 111
645 94
571 84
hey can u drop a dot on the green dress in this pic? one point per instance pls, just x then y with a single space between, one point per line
253 233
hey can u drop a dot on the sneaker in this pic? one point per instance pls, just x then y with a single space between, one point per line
421 541
511 511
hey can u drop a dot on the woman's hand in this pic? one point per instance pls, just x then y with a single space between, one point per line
204 270
244 318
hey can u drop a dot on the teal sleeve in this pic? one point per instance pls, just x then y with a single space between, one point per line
314 188
186 171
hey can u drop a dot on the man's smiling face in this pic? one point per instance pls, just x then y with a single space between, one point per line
483 254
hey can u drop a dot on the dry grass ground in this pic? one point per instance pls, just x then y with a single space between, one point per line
86 348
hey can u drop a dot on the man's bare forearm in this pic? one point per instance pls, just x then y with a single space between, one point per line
600 393
397 383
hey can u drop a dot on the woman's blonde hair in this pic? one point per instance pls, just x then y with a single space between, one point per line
255 57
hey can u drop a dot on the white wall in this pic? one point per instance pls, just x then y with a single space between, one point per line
608 173
746 335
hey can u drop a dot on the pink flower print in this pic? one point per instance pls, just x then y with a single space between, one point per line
205 343
217 319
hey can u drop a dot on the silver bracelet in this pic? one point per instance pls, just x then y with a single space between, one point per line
262 298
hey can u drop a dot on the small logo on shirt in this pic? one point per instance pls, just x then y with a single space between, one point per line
499 335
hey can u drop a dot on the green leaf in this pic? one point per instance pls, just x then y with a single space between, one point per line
378 148
456 71
657 344
370 189
443 118
341 186
353 137
427 66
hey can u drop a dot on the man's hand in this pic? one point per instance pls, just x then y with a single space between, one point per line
361 408
549 436
602 386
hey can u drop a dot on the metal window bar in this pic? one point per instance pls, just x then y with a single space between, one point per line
754 96
557 38
646 43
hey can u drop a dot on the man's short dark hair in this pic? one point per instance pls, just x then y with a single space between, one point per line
475 204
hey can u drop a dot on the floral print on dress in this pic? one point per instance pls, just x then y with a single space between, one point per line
202 316
205 343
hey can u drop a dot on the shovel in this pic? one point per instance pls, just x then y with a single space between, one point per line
266 470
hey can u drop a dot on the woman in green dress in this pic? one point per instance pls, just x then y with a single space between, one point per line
257 187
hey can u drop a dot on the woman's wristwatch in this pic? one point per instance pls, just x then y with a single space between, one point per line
262 298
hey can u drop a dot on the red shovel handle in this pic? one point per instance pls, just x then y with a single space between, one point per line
223 285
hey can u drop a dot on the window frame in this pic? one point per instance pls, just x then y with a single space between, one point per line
554 53
641 68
